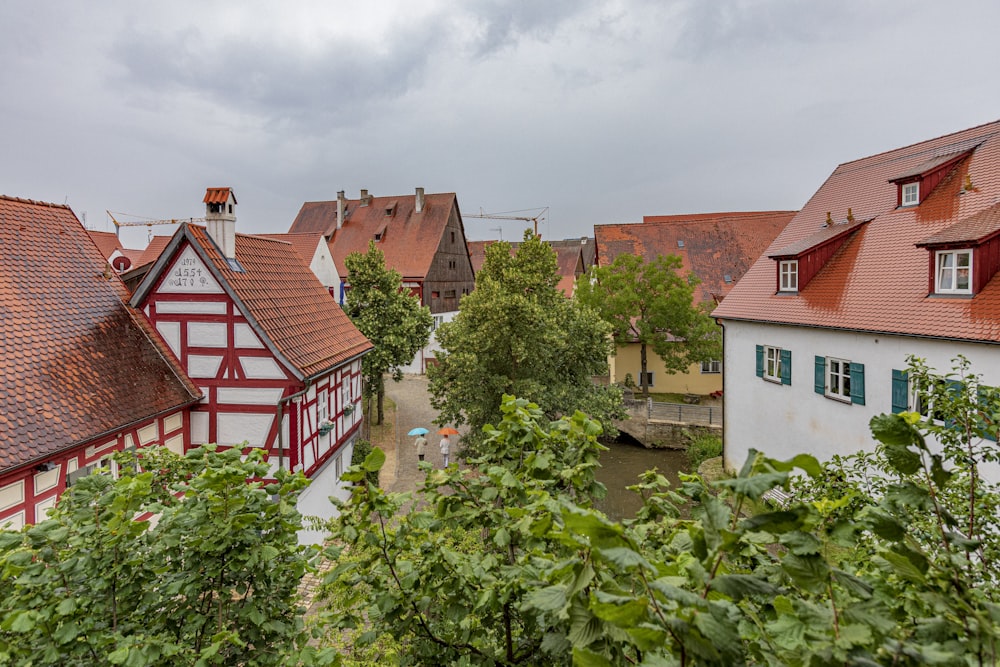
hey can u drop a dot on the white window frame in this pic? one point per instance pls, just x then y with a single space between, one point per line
946 277
322 406
772 363
649 378
711 366
838 379
910 193
921 403
788 270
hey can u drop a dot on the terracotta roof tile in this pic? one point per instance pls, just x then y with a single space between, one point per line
217 196
877 281
828 233
712 246
569 260
410 239
282 295
106 242
974 229
75 362
152 251
304 244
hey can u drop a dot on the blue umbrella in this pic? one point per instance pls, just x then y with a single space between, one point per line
420 430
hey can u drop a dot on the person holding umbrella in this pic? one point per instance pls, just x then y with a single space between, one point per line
446 443
421 442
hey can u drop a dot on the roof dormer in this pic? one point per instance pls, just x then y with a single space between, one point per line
914 185
797 263
964 257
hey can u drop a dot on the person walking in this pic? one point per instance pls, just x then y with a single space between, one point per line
421 444
445 450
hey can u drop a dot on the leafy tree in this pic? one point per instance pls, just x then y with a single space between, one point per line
213 581
651 303
391 318
517 334
510 564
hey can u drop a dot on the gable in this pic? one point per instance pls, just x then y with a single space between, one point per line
188 274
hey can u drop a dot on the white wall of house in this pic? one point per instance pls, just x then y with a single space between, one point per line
314 501
419 362
324 268
785 420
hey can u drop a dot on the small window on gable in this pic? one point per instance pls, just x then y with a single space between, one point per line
453 237
953 274
435 295
788 275
449 294
910 193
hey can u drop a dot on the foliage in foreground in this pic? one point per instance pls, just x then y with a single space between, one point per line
517 334
510 565
702 447
213 581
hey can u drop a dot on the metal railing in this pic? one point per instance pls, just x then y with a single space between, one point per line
699 415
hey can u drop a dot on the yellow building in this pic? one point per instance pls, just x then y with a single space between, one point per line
718 248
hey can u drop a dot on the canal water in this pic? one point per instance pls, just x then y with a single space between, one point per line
621 466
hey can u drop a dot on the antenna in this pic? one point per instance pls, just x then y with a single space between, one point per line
498 230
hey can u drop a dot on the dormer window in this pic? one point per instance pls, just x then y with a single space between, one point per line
954 272
788 271
910 193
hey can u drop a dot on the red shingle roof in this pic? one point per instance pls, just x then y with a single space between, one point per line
569 260
712 246
75 362
298 318
304 244
878 280
217 196
106 242
410 239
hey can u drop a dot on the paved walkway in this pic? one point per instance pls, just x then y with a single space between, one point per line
413 409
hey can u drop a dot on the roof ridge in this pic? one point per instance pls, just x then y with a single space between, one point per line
899 149
22 200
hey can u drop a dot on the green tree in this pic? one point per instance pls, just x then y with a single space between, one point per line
391 318
652 304
517 334
213 581
509 564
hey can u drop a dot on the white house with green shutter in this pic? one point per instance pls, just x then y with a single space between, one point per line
896 254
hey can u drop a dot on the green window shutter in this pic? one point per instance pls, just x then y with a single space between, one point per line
857 383
900 391
986 426
786 367
760 361
954 388
820 380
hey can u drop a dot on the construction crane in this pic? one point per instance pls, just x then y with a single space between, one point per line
147 223
506 216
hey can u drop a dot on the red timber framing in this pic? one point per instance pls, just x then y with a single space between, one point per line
26 493
245 384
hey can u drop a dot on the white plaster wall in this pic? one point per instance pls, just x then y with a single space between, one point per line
208 334
430 350
261 368
315 499
245 337
199 307
324 268
233 428
785 420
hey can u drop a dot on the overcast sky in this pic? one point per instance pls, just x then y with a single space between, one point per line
604 111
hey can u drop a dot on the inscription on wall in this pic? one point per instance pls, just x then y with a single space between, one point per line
189 275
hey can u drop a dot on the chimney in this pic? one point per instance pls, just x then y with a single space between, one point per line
220 218
341 201
418 205
364 198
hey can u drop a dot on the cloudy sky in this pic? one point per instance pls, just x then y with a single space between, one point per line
603 111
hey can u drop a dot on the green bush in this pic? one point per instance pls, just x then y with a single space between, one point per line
362 448
702 448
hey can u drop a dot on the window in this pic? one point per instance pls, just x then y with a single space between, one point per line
911 193
338 466
449 294
323 406
923 394
840 379
649 379
345 391
954 272
438 321
453 237
451 264
713 366
789 275
105 465
774 364
435 294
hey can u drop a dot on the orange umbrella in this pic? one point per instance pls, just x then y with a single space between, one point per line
447 430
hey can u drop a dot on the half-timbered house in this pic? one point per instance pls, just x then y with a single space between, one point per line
82 375
278 361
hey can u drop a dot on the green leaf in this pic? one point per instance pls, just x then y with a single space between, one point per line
738 586
118 656
619 610
892 429
755 485
583 657
374 460
625 558
810 572
550 598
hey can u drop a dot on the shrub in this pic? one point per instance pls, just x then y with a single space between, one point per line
703 447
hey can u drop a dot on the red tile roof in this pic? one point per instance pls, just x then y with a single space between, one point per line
712 246
878 280
304 244
152 251
106 242
75 362
217 196
281 297
410 239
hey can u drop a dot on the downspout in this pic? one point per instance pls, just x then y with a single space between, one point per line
280 410
724 393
